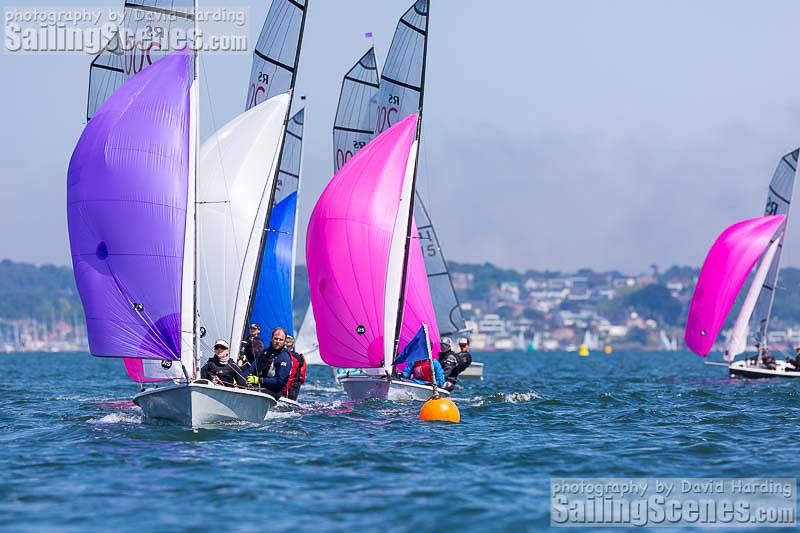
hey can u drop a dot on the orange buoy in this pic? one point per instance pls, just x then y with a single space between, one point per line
440 409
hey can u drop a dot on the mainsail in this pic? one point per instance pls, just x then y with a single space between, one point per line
139 42
354 123
448 310
779 198
129 202
725 270
275 62
402 85
277 51
273 300
106 75
352 260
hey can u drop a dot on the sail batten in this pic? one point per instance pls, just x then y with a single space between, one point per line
353 125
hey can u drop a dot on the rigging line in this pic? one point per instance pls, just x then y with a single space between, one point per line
219 156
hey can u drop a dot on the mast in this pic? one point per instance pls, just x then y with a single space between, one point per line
271 199
401 301
195 116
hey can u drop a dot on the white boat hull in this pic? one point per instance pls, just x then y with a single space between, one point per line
747 369
473 371
202 404
360 388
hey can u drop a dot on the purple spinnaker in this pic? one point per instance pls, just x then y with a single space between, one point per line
127 193
724 272
347 252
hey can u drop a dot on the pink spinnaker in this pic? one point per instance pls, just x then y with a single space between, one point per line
347 252
724 272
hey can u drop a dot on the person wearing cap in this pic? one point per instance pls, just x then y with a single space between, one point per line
449 362
298 376
220 369
252 347
464 355
272 368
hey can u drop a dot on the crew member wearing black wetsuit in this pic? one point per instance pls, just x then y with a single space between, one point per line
449 362
272 368
252 347
464 356
220 369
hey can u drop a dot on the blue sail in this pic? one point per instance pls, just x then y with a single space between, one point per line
273 302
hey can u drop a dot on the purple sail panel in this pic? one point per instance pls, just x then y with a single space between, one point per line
724 272
127 192
347 248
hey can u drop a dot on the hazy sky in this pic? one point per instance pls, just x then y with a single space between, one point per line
558 134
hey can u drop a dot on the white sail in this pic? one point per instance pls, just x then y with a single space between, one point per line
238 167
354 123
737 342
397 258
306 342
275 53
779 199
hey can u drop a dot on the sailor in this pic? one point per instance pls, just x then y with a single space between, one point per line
420 372
298 377
252 347
220 368
449 361
793 365
272 368
768 360
464 355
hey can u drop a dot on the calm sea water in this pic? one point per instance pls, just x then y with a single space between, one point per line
76 456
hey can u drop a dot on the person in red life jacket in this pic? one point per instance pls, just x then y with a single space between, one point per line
298 377
272 368
420 372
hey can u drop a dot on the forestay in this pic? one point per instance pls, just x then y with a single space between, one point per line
725 270
273 300
779 198
275 54
354 123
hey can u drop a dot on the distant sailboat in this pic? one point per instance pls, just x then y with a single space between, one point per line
159 274
753 318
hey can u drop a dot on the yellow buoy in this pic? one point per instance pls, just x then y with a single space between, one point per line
608 349
583 351
440 409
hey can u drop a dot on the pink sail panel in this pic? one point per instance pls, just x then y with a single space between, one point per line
418 305
347 252
724 272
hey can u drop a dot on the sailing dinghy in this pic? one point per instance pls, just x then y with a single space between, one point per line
164 256
367 276
753 319
725 271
